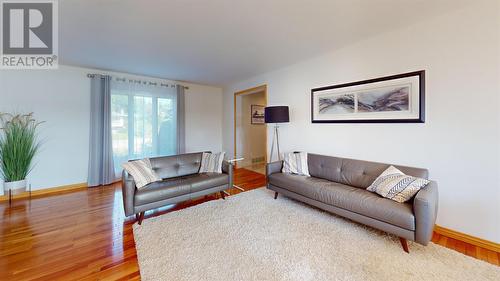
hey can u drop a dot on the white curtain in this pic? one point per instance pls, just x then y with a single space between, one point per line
144 120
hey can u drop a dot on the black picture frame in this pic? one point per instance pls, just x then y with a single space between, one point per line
258 119
421 107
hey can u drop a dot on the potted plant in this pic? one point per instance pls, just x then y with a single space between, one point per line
18 146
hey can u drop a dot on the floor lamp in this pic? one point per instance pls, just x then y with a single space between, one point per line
276 115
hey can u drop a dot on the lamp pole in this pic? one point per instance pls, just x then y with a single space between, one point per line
277 137
276 127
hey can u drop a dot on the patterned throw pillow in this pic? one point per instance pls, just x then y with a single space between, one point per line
395 185
142 172
295 163
212 162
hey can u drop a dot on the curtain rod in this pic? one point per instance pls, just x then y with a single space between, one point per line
138 81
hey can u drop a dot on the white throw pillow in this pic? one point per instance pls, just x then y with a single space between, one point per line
395 185
142 172
212 162
295 163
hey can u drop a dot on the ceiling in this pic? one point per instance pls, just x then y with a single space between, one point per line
222 41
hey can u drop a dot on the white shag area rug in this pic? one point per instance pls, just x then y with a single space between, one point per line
251 236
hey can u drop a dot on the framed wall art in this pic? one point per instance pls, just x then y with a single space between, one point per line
392 99
257 112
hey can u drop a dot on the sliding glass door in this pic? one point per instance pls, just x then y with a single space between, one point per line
144 121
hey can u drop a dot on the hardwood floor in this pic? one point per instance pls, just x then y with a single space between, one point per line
84 235
81 235
467 249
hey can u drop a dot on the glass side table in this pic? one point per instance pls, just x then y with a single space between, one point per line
233 162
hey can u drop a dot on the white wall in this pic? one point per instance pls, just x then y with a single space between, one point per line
459 143
61 98
203 118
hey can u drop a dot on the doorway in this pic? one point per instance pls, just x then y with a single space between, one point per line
250 130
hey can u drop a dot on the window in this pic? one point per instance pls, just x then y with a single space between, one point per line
144 121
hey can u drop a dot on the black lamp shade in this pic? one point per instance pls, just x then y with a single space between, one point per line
276 114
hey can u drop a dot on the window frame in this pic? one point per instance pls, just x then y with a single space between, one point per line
131 110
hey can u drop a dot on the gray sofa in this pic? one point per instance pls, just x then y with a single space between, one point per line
181 182
338 185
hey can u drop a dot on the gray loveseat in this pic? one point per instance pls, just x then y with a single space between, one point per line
181 182
338 185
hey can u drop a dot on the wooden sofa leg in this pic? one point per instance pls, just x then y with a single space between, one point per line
141 217
275 195
404 243
223 195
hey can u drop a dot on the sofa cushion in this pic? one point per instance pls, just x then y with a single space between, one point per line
299 184
207 180
295 163
352 172
174 187
141 171
349 198
212 162
161 190
176 165
395 185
